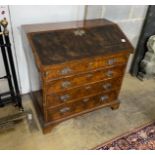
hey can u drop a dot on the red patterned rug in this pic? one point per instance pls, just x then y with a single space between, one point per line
139 139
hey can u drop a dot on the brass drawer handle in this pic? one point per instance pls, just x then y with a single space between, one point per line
103 98
64 98
109 73
85 99
111 61
107 86
65 71
66 84
65 109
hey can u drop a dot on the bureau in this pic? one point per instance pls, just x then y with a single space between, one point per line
79 67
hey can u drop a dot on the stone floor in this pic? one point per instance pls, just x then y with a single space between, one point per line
86 132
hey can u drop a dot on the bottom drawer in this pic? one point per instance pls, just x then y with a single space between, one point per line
69 109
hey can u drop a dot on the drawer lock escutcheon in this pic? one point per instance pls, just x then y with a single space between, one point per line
66 84
90 64
86 100
66 109
64 98
88 87
89 75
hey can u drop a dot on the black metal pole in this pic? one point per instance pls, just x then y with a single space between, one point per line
5 46
6 64
8 47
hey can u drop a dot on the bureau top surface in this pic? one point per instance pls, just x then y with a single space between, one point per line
92 38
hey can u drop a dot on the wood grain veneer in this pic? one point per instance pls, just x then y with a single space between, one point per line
81 66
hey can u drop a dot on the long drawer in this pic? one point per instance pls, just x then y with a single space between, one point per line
54 99
82 79
70 68
84 104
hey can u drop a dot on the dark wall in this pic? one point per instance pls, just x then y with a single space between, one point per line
147 31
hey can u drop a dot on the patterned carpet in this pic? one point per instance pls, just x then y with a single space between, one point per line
140 139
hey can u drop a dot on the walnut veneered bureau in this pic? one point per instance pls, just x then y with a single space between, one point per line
79 67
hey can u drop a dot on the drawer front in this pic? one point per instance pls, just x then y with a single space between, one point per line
79 80
69 109
83 66
79 92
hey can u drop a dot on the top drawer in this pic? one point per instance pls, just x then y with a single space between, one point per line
70 68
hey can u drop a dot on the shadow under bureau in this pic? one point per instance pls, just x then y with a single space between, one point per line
78 67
